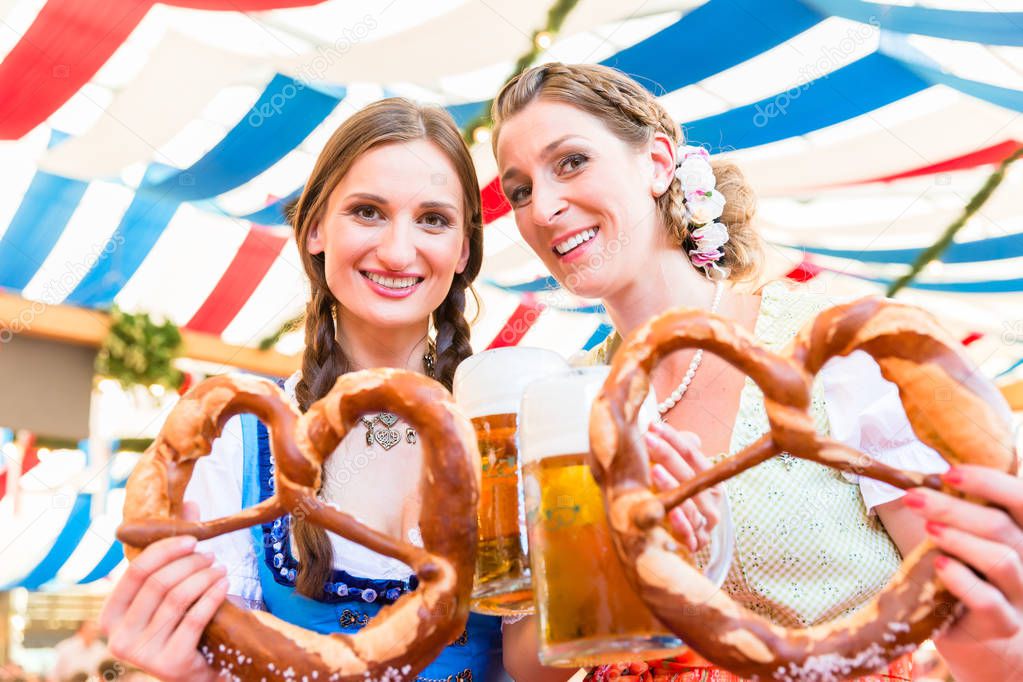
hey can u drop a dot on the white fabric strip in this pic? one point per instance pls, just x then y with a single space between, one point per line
881 148
485 33
177 82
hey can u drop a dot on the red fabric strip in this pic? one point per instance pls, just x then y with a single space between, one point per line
30 460
247 269
494 203
993 154
971 338
240 5
520 322
805 271
62 49
68 42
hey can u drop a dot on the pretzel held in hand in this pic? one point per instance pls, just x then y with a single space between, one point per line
405 636
951 407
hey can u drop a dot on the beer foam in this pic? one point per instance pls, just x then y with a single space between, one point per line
492 382
555 413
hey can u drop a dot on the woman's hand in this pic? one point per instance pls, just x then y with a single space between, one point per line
156 613
676 456
982 566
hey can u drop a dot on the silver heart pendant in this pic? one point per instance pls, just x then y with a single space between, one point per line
386 438
388 419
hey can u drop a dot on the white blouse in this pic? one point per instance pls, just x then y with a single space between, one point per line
866 413
216 486
863 408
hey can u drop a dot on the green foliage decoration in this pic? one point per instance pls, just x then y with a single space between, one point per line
138 351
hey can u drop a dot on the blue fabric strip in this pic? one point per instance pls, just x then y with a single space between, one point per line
64 545
547 284
140 228
286 112
41 217
39 222
597 309
997 95
997 286
989 28
1010 368
995 248
599 334
271 214
855 89
110 560
274 213
686 52
537 285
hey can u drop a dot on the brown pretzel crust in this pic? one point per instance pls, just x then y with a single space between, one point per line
950 407
405 636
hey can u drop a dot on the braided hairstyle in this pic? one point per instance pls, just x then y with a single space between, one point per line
633 115
393 120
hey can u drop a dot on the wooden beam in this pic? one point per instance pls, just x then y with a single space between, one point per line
83 326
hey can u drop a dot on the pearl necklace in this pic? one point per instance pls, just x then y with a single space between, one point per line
694 364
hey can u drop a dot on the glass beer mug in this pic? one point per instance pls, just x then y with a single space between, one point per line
488 388
588 612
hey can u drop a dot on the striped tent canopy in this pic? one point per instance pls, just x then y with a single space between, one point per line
148 149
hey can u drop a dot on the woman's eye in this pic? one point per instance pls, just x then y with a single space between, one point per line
519 194
571 162
366 212
436 220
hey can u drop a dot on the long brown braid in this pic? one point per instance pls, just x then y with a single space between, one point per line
632 114
393 120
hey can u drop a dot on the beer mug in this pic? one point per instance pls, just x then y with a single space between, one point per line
488 388
588 612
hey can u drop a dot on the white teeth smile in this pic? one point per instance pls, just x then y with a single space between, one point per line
392 282
564 247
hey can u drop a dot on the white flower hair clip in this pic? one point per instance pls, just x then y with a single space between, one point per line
704 205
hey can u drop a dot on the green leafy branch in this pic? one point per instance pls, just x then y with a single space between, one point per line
939 247
138 351
540 41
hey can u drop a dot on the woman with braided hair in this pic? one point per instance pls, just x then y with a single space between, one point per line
389 229
618 207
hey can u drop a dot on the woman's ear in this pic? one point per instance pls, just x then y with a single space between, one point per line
463 260
662 158
314 240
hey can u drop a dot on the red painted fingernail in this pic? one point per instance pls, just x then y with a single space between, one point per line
953 476
940 561
914 500
935 528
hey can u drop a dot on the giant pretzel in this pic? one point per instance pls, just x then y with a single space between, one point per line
950 407
405 636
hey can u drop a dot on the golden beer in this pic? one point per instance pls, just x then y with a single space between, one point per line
502 570
488 388
588 611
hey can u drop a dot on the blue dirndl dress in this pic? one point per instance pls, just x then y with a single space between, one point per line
348 601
